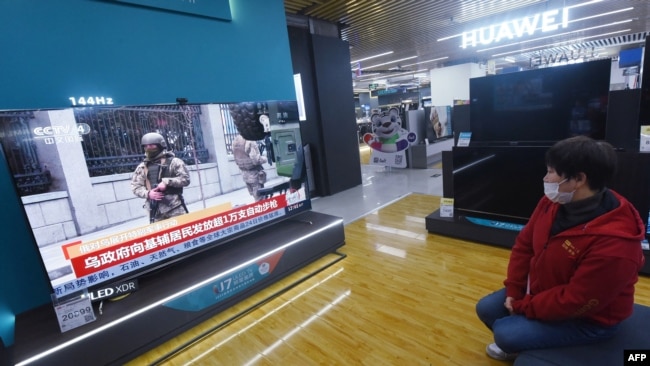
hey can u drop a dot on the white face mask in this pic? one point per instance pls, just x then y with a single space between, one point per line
552 191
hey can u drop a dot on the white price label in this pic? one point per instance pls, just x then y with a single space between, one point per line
464 139
644 145
74 313
446 207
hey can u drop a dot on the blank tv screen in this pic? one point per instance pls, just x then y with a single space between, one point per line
540 106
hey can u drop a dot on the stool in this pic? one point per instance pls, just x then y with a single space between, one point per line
633 333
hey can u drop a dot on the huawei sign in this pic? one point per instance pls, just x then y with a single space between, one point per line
547 21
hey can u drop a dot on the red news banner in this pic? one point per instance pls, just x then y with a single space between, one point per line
100 257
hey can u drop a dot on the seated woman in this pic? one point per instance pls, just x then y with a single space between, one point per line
573 267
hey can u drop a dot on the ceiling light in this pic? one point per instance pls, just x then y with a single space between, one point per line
424 62
370 74
577 30
583 4
398 74
449 37
567 7
509 59
601 14
556 35
388 63
369 57
551 45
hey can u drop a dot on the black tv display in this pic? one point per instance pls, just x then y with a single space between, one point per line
541 106
72 169
500 183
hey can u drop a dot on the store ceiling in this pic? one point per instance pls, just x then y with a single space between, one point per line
414 31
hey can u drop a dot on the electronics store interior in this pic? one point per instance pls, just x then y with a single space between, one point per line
324 182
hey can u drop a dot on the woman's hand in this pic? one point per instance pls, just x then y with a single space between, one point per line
508 304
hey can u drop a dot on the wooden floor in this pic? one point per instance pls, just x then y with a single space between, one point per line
364 153
401 296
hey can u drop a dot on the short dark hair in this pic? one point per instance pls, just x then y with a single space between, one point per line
582 154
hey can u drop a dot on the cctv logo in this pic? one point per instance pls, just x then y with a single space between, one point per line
637 357
60 134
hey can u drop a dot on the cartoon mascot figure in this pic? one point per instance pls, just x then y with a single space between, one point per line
388 135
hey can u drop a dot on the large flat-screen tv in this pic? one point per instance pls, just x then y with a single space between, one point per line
73 169
503 184
540 106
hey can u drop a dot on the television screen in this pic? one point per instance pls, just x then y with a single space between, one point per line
84 187
504 183
438 122
630 57
540 106
498 182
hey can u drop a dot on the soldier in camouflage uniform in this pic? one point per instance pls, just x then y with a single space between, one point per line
160 179
249 160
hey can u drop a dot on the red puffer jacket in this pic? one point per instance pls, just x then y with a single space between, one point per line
587 271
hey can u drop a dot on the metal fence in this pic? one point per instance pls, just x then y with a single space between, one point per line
113 144
21 153
229 128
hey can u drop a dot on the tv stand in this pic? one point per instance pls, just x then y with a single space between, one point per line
179 297
462 228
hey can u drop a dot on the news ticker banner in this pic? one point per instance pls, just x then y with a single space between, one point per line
79 247
107 262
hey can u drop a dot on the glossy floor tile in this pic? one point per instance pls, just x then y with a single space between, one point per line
379 187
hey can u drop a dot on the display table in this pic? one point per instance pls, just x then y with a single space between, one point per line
178 297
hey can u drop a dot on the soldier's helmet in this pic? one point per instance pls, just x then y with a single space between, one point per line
154 138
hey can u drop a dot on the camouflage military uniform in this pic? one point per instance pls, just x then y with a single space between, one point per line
249 160
163 168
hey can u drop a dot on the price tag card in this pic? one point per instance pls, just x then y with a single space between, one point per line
644 140
446 207
464 138
74 313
